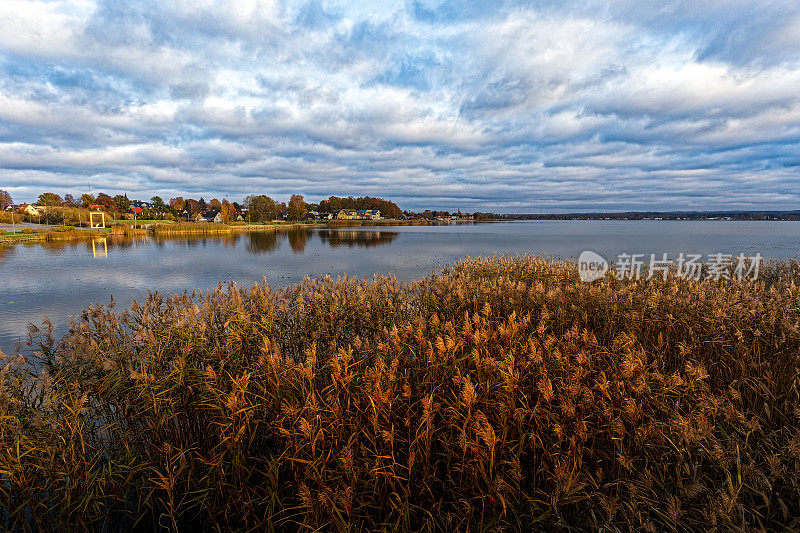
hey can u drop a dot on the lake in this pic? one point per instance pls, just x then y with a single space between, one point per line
58 280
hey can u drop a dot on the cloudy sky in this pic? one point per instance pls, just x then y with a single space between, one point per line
507 107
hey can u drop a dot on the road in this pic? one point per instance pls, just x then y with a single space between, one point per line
22 225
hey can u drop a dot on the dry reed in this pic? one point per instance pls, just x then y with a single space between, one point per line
183 228
500 393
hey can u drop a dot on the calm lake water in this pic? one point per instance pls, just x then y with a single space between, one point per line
60 280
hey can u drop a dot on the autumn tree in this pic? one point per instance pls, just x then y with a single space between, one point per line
87 200
5 199
121 203
262 208
106 201
49 198
228 212
297 208
193 206
158 203
179 204
215 204
387 208
331 205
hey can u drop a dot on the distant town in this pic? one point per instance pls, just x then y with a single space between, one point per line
51 208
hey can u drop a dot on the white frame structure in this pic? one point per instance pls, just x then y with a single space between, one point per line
102 221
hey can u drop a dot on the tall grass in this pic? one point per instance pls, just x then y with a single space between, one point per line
501 393
203 228
128 230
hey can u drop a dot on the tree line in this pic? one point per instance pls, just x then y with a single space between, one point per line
179 205
260 208
118 203
387 208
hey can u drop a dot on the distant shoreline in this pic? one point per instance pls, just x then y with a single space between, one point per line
661 215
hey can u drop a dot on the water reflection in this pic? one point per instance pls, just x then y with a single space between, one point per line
298 238
256 242
269 241
161 241
6 252
100 247
262 242
366 239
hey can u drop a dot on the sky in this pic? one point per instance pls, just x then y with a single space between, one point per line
509 107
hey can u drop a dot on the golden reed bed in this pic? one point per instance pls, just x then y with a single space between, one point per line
500 394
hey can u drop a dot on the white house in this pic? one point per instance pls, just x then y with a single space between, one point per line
32 210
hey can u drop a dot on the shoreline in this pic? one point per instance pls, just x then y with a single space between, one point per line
132 229
129 228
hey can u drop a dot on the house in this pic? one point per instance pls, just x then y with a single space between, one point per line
347 214
361 214
369 214
31 210
210 216
141 205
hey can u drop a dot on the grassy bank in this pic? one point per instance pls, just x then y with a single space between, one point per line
125 229
499 394
205 228
161 228
8 237
50 234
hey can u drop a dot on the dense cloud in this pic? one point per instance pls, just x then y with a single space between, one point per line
470 105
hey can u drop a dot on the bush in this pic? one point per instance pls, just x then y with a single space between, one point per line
501 393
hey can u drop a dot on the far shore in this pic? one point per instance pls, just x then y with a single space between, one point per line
27 233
